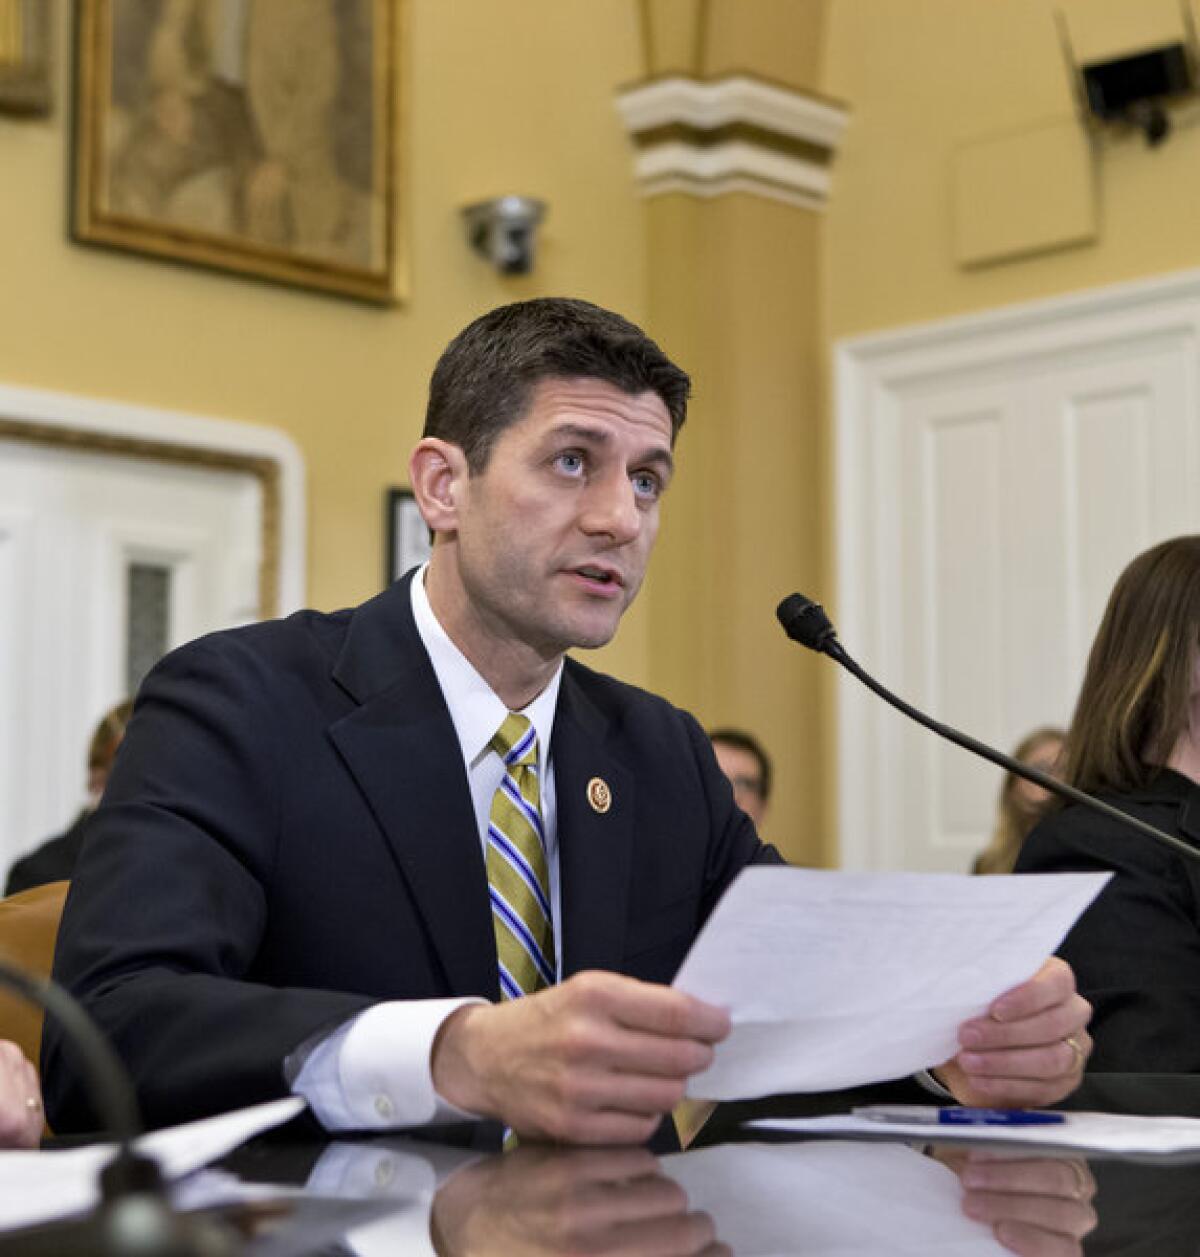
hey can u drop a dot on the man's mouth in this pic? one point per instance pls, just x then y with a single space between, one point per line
600 574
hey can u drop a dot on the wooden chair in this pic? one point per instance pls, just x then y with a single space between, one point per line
28 931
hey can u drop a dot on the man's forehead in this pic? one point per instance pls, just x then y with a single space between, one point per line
591 404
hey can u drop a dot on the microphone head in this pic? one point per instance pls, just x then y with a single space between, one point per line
805 621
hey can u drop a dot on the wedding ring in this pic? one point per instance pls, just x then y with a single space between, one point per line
1080 1056
33 1104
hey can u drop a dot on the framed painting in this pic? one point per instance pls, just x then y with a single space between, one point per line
406 534
255 136
25 56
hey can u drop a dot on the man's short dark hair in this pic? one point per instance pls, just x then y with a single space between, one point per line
483 381
747 742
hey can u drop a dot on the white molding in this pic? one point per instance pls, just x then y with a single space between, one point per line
736 99
869 372
712 171
188 431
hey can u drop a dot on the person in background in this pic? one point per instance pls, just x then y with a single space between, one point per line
748 767
1022 804
20 1099
54 860
1134 740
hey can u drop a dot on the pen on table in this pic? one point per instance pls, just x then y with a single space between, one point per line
929 1115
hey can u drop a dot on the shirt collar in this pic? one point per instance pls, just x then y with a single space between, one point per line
476 710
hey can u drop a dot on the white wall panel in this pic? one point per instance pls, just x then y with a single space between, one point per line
994 475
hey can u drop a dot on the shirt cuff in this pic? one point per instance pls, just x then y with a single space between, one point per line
931 1084
374 1071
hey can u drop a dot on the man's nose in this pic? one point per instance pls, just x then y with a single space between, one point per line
611 508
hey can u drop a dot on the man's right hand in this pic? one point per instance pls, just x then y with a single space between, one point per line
598 1059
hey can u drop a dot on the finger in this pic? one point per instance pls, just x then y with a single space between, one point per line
1031 1241
643 1055
655 1009
1053 983
1049 1026
686 1233
1045 1176
585 1126
1018 1093
624 1093
1055 1060
1048 1213
590 1205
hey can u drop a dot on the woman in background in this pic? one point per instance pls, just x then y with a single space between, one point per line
1135 741
1022 803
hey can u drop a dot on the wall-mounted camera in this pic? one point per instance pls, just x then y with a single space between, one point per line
1136 88
1136 85
504 230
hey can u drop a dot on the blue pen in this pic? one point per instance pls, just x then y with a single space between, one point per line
929 1115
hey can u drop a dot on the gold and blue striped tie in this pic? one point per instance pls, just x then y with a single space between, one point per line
518 873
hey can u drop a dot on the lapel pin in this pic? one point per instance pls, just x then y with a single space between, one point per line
599 795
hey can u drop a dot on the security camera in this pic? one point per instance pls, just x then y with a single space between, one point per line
504 231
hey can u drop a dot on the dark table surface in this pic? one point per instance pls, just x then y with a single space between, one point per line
732 1189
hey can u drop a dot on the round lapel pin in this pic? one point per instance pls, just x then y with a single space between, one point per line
599 795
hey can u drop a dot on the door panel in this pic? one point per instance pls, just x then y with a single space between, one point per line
1016 463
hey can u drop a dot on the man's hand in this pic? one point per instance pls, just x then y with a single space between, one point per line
1030 1047
598 1059
1036 1207
536 1201
20 1099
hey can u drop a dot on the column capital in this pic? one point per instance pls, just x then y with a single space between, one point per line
737 133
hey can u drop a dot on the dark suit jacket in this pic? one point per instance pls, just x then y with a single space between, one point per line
287 837
53 861
1136 950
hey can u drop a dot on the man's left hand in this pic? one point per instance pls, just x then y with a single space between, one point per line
1028 1049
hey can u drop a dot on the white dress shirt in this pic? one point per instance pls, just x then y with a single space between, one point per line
373 1072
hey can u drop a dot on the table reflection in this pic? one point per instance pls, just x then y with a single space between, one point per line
815 1197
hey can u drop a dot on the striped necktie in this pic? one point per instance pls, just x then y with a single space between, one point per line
518 874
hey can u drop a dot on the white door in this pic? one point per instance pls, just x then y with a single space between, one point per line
109 556
995 474
105 563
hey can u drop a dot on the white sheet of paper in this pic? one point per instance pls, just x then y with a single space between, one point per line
830 1199
839 979
1116 1133
39 1186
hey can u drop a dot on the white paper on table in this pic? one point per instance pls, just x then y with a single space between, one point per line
1118 1134
39 1186
838 979
827 1197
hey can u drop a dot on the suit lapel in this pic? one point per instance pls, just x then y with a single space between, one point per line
402 750
595 847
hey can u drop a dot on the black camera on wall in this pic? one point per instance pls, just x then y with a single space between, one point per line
1134 88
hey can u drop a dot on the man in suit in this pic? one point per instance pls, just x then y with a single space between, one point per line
337 848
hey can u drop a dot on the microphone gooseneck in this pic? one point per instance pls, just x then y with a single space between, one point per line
134 1216
805 622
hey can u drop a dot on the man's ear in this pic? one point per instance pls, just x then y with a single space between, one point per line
438 474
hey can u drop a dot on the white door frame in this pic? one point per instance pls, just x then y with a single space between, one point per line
185 436
869 373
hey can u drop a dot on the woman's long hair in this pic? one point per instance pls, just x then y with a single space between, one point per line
1133 703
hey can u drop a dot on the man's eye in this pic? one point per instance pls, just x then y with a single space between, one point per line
572 464
646 485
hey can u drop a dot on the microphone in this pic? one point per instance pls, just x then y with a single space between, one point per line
134 1215
805 621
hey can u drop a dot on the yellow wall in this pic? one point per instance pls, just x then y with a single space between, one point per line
501 98
922 76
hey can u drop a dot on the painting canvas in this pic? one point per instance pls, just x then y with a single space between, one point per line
251 135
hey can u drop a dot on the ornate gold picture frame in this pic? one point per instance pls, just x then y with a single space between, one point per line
255 136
